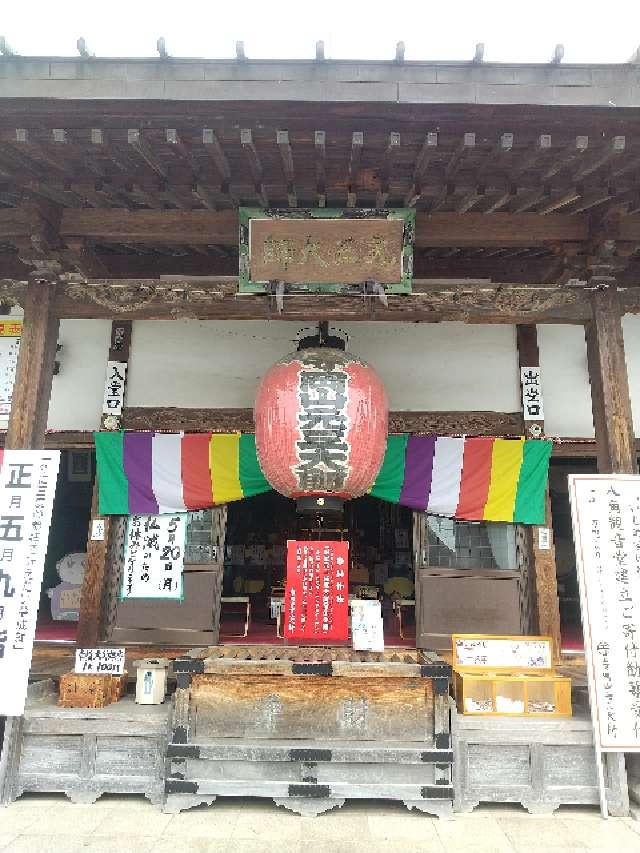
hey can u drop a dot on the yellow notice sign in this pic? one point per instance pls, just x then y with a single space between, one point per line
10 328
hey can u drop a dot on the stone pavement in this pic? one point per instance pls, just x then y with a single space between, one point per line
50 824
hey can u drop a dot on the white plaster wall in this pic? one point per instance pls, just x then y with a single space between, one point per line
565 381
78 390
631 331
424 366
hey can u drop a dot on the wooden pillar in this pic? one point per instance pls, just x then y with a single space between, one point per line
544 559
34 373
610 401
89 625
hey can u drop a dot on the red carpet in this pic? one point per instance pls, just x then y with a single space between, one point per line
572 640
49 631
263 632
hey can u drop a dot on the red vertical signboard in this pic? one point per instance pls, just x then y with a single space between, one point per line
317 591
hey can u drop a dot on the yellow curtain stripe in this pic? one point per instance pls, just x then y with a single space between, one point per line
224 462
506 461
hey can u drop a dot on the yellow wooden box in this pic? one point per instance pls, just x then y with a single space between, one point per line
508 676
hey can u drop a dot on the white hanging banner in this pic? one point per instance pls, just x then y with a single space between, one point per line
532 407
10 332
114 388
154 556
27 489
606 522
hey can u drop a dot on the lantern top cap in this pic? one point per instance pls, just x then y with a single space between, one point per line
323 338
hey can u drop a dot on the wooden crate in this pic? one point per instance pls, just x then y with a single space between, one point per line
508 676
91 691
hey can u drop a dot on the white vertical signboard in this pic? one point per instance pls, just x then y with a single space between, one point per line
114 387
154 556
10 331
532 406
27 488
606 522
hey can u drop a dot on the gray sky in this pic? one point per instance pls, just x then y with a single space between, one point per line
512 30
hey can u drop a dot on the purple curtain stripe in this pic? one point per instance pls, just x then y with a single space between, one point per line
137 459
418 469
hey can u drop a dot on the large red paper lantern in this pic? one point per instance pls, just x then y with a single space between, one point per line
321 420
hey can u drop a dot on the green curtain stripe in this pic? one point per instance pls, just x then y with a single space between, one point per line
252 480
388 483
113 487
532 484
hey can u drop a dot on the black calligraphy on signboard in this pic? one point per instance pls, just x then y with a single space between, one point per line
154 557
114 388
606 519
532 406
27 487
322 449
104 661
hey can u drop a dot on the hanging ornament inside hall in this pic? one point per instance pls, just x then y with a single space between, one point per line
321 419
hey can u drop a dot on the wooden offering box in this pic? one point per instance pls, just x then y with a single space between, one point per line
91 691
508 676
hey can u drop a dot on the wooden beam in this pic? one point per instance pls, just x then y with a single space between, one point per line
160 227
501 229
610 401
544 559
477 302
220 227
482 302
34 373
286 155
241 420
89 623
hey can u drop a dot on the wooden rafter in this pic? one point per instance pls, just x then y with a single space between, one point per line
286 156
466 145
320 154
138 145
390 152
567 158
214 149
255 165
357 144
427 152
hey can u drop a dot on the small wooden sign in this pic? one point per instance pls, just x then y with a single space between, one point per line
106 661
326 250
484 652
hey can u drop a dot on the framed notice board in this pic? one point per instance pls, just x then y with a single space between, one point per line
322 250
